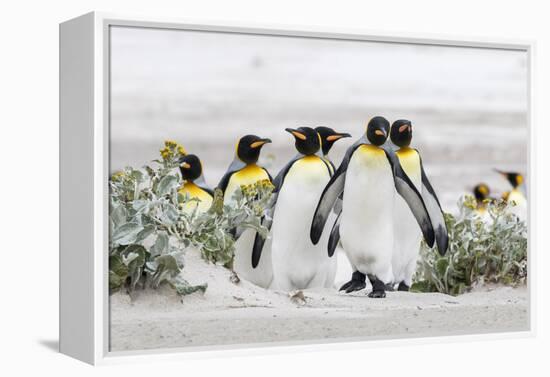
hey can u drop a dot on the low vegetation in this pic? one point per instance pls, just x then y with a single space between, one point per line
482 249
150 233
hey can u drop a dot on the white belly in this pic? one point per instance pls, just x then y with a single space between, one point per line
366 228
519 205
406 234
344 269
297 263
406 242
262 275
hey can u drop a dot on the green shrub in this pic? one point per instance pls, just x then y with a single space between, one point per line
150 232
490 251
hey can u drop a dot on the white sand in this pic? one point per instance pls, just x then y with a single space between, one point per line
244 314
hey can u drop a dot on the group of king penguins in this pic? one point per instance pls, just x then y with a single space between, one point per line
516 195
376 205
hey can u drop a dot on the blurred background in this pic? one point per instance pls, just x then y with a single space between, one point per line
206 89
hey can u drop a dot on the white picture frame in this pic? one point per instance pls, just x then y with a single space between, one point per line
84 158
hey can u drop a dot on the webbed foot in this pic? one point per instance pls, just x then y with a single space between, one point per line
356 283
377 294
378 287
403 287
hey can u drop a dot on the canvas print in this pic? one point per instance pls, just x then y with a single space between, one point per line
273 189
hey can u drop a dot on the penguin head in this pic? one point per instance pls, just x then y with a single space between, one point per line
308 141
248 148
329 137
401 133
377 130
515 179
481 192
190 167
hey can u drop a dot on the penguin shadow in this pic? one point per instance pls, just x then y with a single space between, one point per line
50 344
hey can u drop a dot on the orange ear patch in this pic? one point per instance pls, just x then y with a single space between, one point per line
185 165
299 135
484 189
519 179
403 128
257 144
333 137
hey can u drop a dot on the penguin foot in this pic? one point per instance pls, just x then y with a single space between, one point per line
390 287
352 286
378 287
356 283
403 287
377 294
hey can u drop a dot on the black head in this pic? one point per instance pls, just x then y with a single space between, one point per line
190 167
329 137
377 130
248 148
515 179
401 133
481 192
308 140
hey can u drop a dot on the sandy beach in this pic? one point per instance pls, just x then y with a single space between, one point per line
237 314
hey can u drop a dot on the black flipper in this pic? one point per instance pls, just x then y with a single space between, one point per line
259 241
267 221
334 236
269 175
331 193
225 181
435 212
410 194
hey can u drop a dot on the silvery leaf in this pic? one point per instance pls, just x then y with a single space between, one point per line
126 233
146 232
140 205
170 214
118 215
166 184
183 287
161 244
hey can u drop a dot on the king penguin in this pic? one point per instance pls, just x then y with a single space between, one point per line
343 267
244 170
328 138
194 185
368 176
297 263
516 196
407 234
482 194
